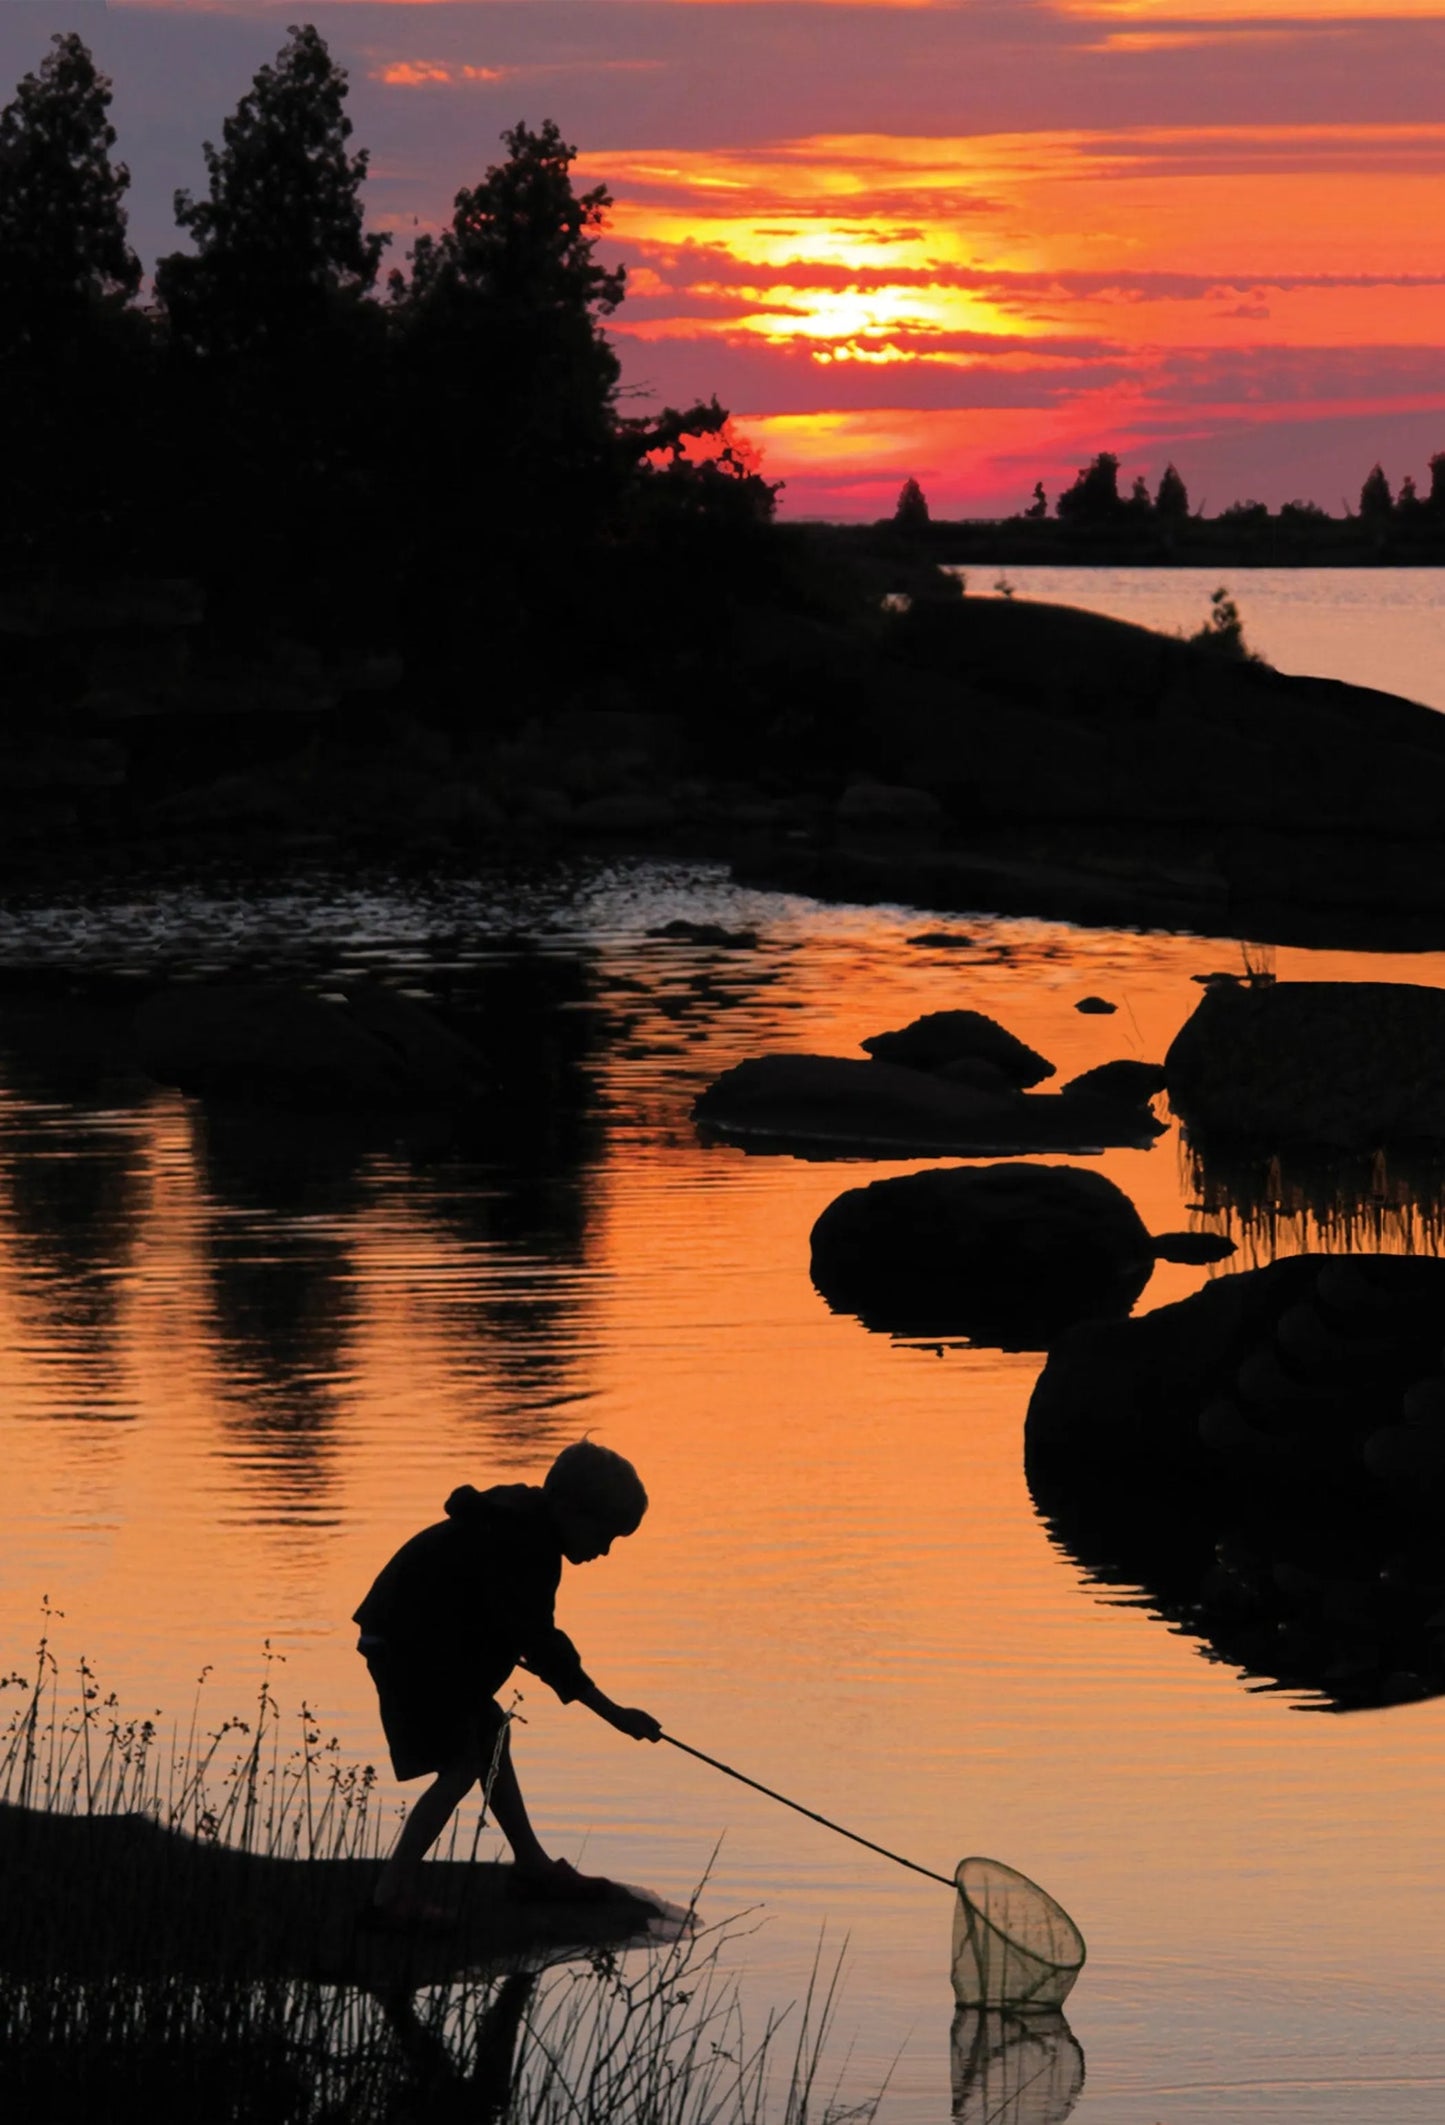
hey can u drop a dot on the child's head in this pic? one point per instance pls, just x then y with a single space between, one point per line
596 1496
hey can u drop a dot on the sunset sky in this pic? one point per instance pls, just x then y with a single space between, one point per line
970 242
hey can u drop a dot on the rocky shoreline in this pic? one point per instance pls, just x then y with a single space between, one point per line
963 754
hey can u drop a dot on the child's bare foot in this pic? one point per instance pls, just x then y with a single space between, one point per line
557 1881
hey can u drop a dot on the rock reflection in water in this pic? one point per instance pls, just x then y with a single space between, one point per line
1266 1461
1014 2069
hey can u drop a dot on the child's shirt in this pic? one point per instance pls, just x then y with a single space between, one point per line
477 1590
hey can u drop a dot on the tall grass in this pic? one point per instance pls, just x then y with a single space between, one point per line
231 1784
652 2038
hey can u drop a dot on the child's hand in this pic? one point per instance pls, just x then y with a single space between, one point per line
640 1725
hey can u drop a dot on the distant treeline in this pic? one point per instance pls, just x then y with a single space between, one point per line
435 461
1093 520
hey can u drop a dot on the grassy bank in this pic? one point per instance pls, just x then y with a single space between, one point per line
180 1935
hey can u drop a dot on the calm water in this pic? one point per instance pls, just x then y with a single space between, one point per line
1380 627
239 1365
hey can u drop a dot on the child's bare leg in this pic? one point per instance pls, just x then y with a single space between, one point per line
509 1811
397 1884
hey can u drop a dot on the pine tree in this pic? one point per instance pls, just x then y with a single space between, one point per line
1377 504
911 514
1171 502
280 241
499 334
1435 499
521 238
64 257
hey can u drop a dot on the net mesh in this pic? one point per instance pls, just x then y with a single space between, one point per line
1013 1946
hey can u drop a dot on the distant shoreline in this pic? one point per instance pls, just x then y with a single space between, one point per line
1207 544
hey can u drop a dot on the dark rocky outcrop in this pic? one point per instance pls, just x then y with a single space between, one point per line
969 753
941 1038
832 1106
107 1897
1353 1065
1267 1459
1127 1082
366 1049
1003 1255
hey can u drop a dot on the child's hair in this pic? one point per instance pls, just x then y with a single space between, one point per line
597 1481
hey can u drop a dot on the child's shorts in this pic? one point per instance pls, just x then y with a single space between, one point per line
433 1714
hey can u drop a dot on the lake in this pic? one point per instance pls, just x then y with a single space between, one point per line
1380 627
240 1364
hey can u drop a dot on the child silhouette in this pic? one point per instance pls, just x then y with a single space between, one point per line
444 1624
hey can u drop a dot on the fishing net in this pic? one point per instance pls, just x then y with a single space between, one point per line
1013 1946
1014 2069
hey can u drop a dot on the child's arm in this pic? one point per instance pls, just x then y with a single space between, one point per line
628 1719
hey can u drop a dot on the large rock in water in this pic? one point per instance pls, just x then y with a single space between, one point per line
1267 1460
941 1038
832 1106
281 1046
1351 1065
1009 1256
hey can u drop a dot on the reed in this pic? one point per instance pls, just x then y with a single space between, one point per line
653 2038
1296 1202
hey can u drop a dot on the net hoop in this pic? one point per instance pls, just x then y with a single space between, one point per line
1015 1948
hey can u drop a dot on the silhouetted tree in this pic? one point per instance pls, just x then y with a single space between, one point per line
277 358
63 247
498 333
1408 506
280 239
73 352
501 320
1140 503
1039 506
1298 515
1377 504
1094 496
1435 499
1242 514
698 465
1171 502
911 514
1223 632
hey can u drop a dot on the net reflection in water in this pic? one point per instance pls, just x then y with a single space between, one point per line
1014 2069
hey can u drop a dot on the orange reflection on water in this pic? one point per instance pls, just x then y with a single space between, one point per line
842 1585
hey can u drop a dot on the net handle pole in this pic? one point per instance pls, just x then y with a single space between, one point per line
812 1815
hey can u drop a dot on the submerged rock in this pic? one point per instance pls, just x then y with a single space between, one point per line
1265 1460
1348 1064
833 1106
1005 1255
943 1037
681 931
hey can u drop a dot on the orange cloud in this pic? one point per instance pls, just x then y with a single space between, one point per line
1079 288
432 73
1207 11
1182 39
